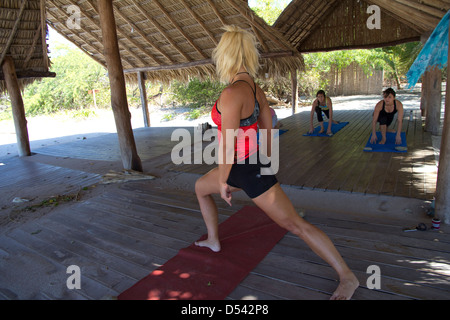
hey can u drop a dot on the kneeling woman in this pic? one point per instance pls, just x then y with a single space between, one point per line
243 105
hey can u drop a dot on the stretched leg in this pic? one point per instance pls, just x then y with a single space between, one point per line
204 188
319 118
279 208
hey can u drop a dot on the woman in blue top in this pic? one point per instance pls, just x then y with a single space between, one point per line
325 105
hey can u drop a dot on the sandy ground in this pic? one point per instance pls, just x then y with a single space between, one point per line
57 129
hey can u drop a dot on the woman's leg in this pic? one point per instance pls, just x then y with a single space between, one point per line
319 118
279 208
204 188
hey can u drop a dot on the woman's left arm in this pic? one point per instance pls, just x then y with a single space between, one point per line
330 121
398 137
231 113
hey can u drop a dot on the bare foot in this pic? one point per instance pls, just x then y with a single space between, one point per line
383 141
321 131
346 288
212 244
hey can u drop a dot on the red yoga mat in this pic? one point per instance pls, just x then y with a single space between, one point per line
200 274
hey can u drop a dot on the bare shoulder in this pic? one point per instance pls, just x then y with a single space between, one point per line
379 105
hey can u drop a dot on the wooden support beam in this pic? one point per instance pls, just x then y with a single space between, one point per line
143 94
119 103
433 97
18 110
442 205
294 91
28 74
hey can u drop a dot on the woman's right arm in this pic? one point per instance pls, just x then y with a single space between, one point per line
311 120
376 113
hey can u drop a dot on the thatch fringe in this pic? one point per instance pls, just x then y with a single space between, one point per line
26 46
324 25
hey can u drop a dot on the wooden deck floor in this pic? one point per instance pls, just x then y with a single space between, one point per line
120 236
340 164
124 231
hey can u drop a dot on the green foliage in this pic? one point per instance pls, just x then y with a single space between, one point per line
269 10
76 75
197 93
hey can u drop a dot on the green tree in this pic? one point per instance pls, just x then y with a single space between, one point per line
399 59
197 93
269 10
76 75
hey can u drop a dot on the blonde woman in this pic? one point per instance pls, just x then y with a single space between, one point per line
243 105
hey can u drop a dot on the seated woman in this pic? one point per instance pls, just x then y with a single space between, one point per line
325 105
384 114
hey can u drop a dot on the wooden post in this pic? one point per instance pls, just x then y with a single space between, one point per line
424 95
119 103
442 205
18 110
143 94
434 98
294 91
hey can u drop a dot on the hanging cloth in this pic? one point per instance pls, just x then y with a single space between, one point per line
434 53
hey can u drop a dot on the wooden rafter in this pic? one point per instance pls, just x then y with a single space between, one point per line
32 47
213 7
142 34
160 29
123 34
97 50
13 32
175 24
245 13
100 51
411 15
44 35
199 21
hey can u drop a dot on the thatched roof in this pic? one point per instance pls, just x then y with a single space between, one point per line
170 38
23 37
325 25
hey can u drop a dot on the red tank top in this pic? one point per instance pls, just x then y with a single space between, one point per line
246 142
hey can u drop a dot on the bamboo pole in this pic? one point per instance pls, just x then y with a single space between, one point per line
294 87
18 110
119 103
143 95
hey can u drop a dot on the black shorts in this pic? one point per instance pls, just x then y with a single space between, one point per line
385 118
248 177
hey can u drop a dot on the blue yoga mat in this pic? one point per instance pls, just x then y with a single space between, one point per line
389 146
334 129
280 132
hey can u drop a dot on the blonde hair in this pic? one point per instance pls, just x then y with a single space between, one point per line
236 48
